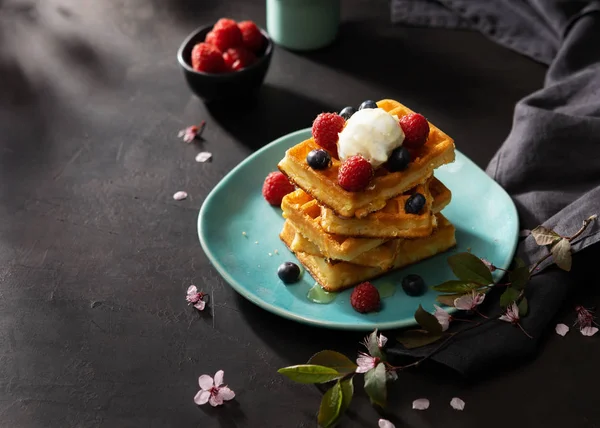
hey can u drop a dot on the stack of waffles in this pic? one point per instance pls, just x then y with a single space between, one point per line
343 238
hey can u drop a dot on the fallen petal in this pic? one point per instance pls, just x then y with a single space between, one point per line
205 382
589 331
226 393
200 305
421 404
203 156
201 397
219 378
178 196
192 289
562 329
384 423
457 403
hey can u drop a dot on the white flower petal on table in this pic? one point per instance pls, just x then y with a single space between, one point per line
384 423
205 382
215 400
561 329
420 404
200 305
201 397
219 378
192 289
178 196
226 393
203 156
457 403
589 331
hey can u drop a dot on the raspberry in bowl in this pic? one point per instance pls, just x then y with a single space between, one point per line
225 60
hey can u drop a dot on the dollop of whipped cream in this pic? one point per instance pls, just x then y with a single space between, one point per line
371 133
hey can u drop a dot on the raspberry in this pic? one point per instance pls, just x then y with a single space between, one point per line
365 298
207 58
416 130
253 38
275 187
325 130
225 35
355 173
243 56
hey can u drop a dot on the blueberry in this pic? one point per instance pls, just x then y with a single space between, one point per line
288 272
413 285
347 112
414 204
398 160
368 104
318 159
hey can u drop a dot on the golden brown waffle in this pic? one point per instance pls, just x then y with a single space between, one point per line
305 213
393 221
338 276
381 256
323 186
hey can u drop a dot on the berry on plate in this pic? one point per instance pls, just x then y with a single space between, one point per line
347 112
414 204
413 285
365 298
288 272
398 160
325 130
207 58
318 159
355 174
367 104
416 130
224 35
251 35
275 187
242 56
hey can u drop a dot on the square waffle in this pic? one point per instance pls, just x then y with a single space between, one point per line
392 221
302 210
323 186
381 256
338 276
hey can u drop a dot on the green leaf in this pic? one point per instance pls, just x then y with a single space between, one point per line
347 393
544 236
456 286
333 360
375 385
330 406
447 299
428 321
523 307
416 338
309 373
470 268
519 277
509 296
373 345
561 253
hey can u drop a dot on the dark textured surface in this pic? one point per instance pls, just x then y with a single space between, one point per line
95 255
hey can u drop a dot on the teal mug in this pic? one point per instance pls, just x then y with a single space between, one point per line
303 24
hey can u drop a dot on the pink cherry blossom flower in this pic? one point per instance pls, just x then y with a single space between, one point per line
443 317
212 390
195 297
190 133
457 403
180 195
489 265
365 362
511 315
561 329
585 321
384 423
468 302
420 404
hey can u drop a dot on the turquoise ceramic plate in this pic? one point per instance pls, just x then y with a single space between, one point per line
239 232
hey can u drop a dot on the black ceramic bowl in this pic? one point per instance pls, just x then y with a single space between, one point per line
235 84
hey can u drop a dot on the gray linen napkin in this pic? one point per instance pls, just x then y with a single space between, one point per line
550 162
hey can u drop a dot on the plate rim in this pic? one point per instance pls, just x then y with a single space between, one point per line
240 289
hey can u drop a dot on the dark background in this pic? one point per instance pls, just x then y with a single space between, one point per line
95 256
